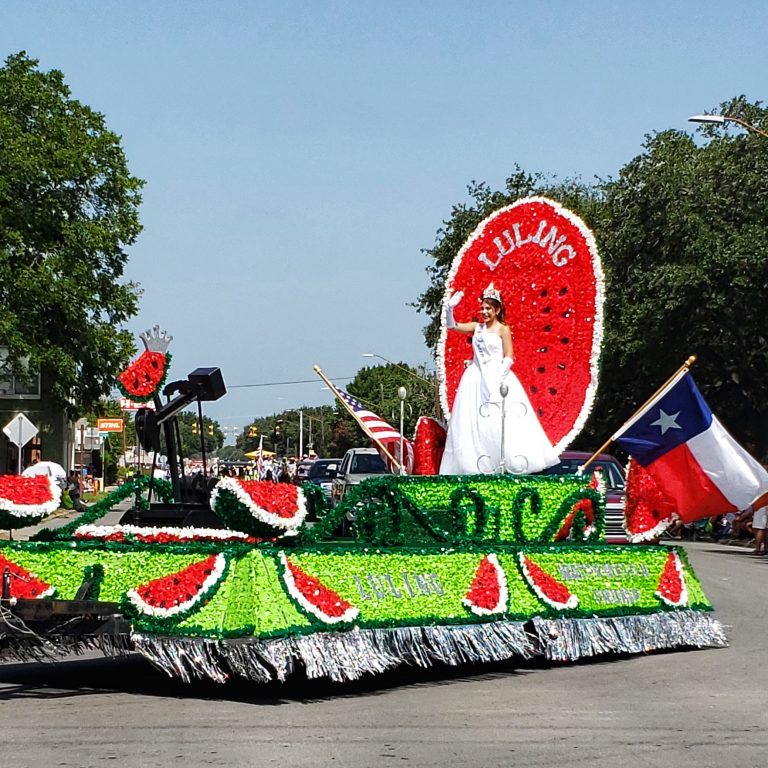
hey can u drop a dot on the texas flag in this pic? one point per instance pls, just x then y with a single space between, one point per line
690 454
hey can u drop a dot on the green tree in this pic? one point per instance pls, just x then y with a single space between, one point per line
189 431
574 194
683 236
68 209
377 388
318 426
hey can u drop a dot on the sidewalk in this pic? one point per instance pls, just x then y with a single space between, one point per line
63 516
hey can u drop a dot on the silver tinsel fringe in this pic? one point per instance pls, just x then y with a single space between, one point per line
571 639
340 656
345 656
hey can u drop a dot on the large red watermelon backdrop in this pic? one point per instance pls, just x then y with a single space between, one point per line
543 259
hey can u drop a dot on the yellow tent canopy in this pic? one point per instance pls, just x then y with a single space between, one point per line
255 454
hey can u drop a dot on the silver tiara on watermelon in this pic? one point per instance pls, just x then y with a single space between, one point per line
491 293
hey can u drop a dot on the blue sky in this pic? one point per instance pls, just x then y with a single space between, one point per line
299 155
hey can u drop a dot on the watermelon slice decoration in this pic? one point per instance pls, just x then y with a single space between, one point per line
144 376
26 500
585 506
179 593
488 594
314 597
648 511
428 446
24 584
543 259
547 587
672 588
259 507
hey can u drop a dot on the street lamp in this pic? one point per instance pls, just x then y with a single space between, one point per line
402 393
722 119
431 382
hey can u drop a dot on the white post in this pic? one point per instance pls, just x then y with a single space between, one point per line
301 434
103 474
20 444
504 391
402 393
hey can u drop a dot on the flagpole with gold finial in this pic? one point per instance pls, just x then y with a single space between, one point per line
670 382
365 429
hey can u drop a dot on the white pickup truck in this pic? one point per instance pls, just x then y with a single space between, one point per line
357 465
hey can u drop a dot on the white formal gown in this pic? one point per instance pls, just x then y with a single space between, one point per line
473 444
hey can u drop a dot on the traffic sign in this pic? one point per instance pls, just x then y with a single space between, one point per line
20 430
126 404
109 425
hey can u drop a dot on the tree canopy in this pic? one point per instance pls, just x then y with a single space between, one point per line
683 236
68 209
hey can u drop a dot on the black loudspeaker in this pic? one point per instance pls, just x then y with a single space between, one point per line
209 383
147 429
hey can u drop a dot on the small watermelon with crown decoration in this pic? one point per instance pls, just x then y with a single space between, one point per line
147 373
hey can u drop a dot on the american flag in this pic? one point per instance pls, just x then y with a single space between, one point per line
385 434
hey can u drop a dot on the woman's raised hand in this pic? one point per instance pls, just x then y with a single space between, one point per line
455 299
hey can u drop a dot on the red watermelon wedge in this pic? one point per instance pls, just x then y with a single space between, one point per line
672 588
547 587
180 592
24 585
314 597
648 511
488 594
25 500
543 259
259 507
428 446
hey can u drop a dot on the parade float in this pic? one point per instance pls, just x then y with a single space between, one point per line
220 578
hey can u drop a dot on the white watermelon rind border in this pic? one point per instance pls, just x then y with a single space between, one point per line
213 578
503 603
597 336
34 510
683 601
570 604
93 531
290 584
287 524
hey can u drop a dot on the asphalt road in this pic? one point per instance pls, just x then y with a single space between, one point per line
694 708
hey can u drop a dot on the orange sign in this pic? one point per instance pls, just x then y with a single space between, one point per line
109 425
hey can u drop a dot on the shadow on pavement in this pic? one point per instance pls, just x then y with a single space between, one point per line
134 675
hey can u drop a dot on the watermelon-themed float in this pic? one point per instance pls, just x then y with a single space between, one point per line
227 578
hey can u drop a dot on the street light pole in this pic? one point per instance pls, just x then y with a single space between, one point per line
432 383
722 119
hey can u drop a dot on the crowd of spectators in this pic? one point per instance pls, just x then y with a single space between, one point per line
747 527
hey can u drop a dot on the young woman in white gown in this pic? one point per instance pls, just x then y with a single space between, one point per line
473 444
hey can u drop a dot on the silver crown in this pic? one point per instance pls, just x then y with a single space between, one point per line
491 293
156 340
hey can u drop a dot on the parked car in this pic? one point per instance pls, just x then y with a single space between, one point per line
322 473
357 465
303 469
615 487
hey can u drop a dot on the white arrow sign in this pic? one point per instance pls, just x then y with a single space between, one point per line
20 430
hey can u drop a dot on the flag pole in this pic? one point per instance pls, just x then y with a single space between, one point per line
681 370
365 429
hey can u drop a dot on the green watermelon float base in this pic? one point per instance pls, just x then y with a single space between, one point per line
427 582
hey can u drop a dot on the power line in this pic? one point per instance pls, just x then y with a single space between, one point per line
283 383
